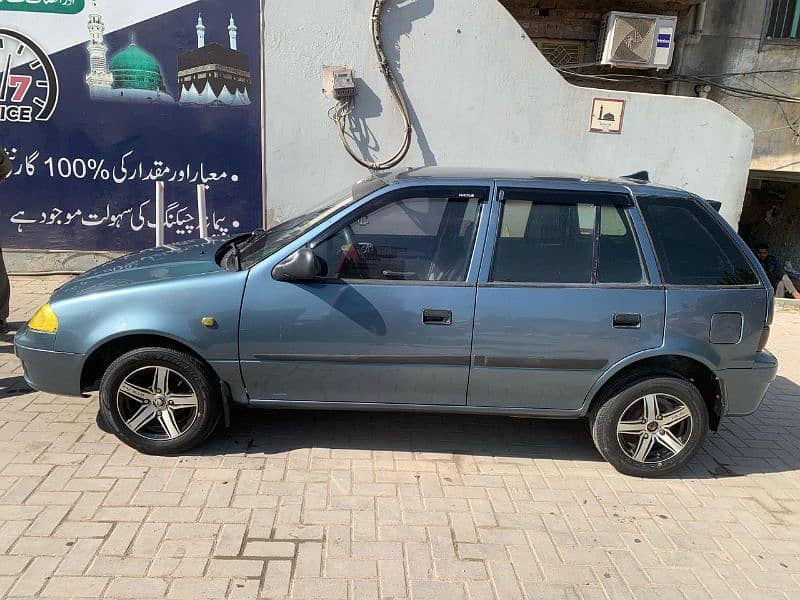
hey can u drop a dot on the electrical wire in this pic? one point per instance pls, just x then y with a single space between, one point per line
792 125
728 74
740 92
344 109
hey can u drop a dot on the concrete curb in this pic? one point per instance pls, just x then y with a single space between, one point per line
787 304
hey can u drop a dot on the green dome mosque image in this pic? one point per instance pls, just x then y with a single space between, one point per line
136 69
132 74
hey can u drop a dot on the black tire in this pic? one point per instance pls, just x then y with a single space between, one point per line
102 423
621 399
187 370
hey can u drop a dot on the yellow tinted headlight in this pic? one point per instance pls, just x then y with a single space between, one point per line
44 320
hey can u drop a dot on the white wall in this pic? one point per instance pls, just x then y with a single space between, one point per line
481 95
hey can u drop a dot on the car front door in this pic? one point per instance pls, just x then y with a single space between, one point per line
390 318
564 297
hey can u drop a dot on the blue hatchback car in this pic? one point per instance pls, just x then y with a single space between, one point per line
630 304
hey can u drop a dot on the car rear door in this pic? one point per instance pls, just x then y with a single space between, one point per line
390 321
563 295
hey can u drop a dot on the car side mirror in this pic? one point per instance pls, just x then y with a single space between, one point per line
5 164
302 265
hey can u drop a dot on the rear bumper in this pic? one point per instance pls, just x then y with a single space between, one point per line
743 390
49 371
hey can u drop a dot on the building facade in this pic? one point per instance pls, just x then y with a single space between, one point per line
480 95
743 54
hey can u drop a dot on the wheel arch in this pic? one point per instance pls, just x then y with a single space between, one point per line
104 353
693 368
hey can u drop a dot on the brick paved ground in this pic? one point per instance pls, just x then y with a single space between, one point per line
352 505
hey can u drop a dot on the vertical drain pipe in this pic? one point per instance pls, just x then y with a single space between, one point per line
691 37
202 223
159 213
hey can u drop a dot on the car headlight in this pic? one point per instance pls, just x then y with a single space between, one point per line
44 320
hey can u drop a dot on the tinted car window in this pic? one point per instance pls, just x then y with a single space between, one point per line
692 248
618 252
545 243
417 237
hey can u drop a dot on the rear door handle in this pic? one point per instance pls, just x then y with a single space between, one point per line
437 317
627 320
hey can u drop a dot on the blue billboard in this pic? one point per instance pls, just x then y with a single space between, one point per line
98 105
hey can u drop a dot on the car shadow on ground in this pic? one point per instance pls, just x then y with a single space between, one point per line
766 442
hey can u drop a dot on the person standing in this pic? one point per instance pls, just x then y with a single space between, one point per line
5 284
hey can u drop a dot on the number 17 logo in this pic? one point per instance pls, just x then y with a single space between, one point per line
20 84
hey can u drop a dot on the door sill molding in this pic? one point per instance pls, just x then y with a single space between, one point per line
544 413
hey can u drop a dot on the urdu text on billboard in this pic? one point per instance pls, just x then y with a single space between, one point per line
100 99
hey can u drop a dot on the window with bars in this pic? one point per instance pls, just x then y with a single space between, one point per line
783 20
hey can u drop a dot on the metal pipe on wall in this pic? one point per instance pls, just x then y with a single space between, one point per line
159 213
691 37
202 223
700 18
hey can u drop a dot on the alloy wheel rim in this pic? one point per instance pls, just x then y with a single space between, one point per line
157 403
654 428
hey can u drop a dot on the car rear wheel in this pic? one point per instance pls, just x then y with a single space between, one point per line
650 426
159 400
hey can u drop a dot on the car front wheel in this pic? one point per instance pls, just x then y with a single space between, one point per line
159 400
650 427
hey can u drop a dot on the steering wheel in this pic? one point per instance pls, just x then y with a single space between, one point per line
351 260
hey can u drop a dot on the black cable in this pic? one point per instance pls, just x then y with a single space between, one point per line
729 74
344 109
731 90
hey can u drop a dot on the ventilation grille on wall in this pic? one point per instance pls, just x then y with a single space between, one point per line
637 41
561 53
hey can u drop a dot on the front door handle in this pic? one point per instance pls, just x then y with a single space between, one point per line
437 317
627 320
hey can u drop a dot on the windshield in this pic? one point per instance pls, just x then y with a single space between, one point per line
262 244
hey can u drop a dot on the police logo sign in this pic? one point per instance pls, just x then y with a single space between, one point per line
28 81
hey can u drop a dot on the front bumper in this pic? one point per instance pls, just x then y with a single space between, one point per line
743 390
48 370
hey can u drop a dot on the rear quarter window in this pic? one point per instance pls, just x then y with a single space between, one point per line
691 246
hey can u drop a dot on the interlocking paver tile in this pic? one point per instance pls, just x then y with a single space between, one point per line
378 506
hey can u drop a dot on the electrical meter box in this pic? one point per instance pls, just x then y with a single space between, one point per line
338 82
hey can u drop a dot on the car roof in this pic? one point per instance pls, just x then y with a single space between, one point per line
638 186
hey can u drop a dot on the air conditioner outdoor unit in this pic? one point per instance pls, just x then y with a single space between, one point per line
635 41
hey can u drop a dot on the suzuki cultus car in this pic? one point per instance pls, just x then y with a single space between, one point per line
633 305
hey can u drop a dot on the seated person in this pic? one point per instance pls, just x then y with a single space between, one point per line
777 276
